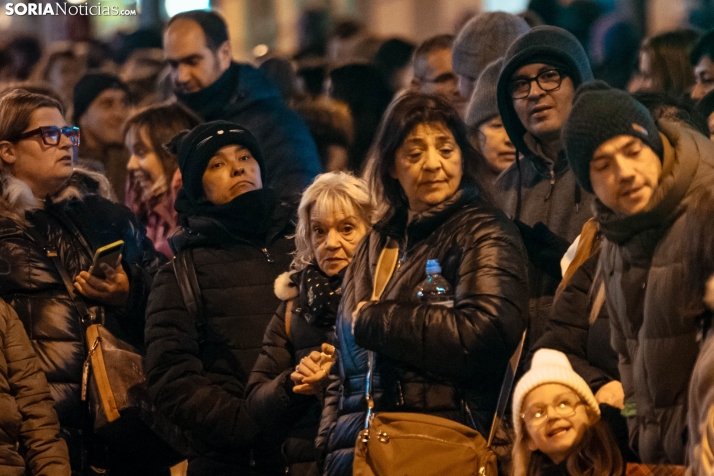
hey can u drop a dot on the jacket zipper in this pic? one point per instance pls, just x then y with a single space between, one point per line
267 255
552 185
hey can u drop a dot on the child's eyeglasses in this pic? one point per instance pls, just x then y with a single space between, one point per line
564 407
51 135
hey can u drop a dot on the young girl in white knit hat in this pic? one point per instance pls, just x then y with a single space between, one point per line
557 423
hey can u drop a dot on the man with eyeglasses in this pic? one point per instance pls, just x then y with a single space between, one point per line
535 92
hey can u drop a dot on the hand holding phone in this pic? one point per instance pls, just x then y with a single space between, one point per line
108 255
106 281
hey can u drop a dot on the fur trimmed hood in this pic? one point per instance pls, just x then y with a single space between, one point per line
16 198
284 286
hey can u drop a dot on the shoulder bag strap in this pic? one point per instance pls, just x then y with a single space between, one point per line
385 268
52 253
190 290
288 315
506 389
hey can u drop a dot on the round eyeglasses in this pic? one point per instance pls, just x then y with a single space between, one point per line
564 407
51 135
548 80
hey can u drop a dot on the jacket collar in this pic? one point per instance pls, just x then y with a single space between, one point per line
237 88
16 198
207 231
398 225
680 162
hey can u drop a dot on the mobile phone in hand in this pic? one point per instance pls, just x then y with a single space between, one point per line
108 254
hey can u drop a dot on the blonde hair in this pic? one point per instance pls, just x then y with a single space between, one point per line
330 193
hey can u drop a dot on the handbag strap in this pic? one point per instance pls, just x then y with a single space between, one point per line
385 268
87 318
185 272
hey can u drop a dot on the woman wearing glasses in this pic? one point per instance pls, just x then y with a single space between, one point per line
557 425
48 208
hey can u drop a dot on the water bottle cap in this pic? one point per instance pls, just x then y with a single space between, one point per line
432 266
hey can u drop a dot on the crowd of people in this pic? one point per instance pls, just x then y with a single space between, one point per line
259 209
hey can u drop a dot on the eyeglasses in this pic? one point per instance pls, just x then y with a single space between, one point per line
548 80
564 407
51 135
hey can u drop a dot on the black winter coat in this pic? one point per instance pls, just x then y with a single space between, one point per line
29 281
201 387
245 96
569 330
429 358
270 397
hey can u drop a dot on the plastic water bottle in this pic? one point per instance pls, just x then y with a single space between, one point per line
435 289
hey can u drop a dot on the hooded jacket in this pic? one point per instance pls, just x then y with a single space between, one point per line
244 96
199 379
28 416
536 189
654 328
429 359
30 283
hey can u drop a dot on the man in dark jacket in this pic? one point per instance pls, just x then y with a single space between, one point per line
234 239
535 91
645 176
204 78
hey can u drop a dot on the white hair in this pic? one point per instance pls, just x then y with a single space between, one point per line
331 193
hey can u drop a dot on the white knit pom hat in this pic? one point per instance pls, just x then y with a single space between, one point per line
550 366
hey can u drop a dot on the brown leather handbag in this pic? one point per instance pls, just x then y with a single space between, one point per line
416 444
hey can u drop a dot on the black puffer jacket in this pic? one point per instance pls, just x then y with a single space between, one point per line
269 394
429 359
243 95
28 416
201 387
30 282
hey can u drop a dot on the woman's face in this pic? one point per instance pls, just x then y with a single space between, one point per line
557 435
495 145
45 168
231 172
428 166
334 239
144 160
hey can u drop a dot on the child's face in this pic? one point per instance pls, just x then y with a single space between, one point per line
555 418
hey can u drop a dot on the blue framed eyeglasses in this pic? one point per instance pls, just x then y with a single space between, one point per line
51 135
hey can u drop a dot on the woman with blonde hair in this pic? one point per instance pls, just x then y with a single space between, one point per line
286 386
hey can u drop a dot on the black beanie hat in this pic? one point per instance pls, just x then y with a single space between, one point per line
600 113
89 87
195 149
543 44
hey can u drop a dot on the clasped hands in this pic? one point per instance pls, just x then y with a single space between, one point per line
312 369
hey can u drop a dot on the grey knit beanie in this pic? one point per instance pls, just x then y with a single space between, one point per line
483 39
600 113
483 105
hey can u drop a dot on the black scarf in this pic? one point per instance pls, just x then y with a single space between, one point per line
248 216
319 295
209 102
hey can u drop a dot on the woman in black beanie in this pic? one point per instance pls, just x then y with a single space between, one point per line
208 309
